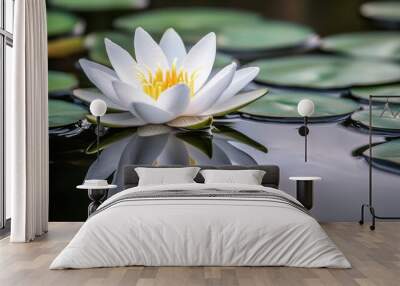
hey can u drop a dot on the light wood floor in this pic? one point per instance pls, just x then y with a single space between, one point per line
375 257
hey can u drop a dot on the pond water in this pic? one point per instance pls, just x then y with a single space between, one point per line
338 196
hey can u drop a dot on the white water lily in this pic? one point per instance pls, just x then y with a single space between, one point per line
166 84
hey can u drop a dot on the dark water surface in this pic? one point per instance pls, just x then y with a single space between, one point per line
338 196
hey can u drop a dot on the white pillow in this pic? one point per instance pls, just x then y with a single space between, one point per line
164 176
246 177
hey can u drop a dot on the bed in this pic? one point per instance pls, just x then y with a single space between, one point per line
199 224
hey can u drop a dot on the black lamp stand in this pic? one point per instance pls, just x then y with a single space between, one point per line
98 135
370 201
305 138
303 131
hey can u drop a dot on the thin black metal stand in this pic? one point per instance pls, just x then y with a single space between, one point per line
305 138
98 135
303 132
370 202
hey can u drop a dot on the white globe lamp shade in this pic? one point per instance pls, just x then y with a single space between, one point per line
305 107
98 107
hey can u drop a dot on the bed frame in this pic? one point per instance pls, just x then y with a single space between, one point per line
271 177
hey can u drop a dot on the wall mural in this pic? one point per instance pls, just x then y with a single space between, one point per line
194 110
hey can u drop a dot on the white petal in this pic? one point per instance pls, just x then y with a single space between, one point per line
89 64
219 156
123 63
175 99
209 94
102 77
128 94
236 102
147 51
173 47
174 153
152 114
143 150
241 79
88 95
108 160
235 155
139 151
200 59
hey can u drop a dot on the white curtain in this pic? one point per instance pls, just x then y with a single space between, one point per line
27 124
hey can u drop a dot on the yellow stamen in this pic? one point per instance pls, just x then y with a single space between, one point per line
155 83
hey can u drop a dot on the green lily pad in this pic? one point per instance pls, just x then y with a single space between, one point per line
230 133
191 23
386 156
262 36
382 11
200 140
325 72
64 47
99 5
364 92
385 45
60 23
62 113
191 122
116 120
386 123
109 139
282 106
61 81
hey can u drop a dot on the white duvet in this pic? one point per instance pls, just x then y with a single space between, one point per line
200 231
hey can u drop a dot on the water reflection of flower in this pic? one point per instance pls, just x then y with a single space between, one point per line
161 145
166 84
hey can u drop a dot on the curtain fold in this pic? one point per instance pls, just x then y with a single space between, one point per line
27 124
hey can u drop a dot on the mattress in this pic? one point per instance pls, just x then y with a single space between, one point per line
201 225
